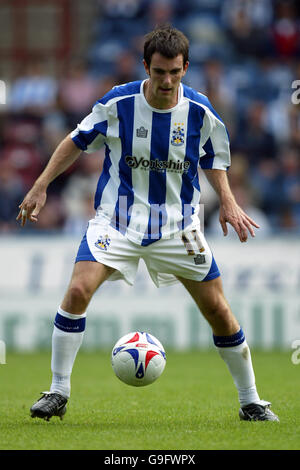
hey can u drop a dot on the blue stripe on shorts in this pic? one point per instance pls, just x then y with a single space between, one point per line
84 252
213 271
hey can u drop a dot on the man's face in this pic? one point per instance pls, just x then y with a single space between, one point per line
165 76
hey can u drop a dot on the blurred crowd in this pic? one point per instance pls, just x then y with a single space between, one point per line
244 55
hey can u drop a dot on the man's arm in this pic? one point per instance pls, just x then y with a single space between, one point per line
65 154
230 211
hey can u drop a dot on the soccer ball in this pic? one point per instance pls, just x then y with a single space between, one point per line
138 358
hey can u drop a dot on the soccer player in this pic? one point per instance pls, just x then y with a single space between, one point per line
157 133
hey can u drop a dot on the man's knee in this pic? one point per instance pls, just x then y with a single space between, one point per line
79 293
217 308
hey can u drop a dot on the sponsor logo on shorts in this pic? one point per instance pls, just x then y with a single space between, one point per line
199 259
103 242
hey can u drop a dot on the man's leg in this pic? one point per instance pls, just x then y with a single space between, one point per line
86 278
69 323
68 331
230 342
214 307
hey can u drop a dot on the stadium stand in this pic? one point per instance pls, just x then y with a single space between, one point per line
245 56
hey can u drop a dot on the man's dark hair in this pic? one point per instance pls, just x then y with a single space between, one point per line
168 41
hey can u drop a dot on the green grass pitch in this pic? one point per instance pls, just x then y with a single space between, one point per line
192 406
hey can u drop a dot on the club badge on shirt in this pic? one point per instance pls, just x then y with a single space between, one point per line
177 138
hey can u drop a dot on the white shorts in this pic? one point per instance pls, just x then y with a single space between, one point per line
185 255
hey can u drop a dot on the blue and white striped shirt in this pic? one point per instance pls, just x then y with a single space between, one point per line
149 186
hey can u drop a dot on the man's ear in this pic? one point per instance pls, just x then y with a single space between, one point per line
146 67
185 67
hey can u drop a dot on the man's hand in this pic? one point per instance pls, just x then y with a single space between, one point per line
232 213
31 205
63 157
